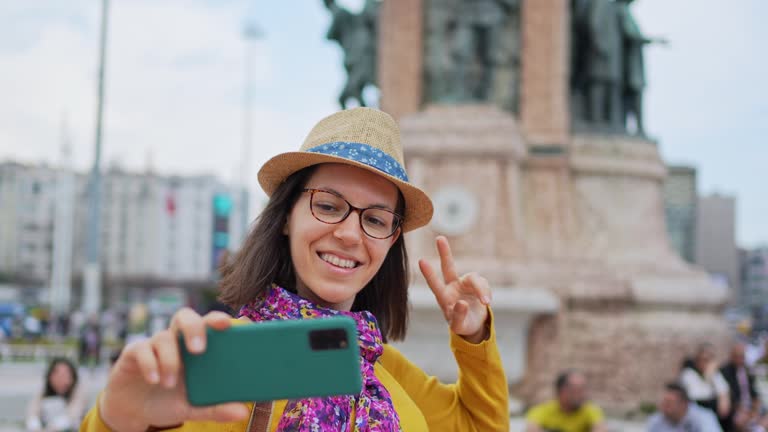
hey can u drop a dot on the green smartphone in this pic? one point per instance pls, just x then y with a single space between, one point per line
272 360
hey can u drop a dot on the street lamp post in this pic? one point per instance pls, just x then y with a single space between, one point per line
251 32
92 270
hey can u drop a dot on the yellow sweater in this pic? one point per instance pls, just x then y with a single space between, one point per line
478 401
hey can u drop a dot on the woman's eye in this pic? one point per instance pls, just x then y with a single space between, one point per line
375 221
326 207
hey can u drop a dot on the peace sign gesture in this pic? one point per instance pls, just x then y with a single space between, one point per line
464 300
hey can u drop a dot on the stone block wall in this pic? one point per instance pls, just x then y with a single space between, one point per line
627 353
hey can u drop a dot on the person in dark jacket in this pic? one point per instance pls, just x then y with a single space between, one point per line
745 401
90 344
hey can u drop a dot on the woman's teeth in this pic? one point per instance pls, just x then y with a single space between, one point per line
338 262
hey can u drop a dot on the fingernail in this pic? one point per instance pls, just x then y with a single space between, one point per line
196 344
170 380
486 299
154 377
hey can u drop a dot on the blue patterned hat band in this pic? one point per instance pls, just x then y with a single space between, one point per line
365 154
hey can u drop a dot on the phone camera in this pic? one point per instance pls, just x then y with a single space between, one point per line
329 339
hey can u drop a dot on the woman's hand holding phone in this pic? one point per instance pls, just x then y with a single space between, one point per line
146 386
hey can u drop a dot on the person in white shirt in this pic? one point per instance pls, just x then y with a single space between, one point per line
60 406
704 383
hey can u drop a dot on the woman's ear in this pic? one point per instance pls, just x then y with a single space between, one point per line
395 236
285 227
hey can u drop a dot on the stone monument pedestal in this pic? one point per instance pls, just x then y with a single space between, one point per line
573 241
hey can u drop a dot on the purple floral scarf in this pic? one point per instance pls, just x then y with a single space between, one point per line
373 407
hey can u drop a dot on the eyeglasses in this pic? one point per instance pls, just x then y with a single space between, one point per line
327 207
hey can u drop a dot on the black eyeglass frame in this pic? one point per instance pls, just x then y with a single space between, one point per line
398 218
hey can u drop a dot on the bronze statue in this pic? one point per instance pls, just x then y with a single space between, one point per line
472 51
633 66
357 34
438 59
505 91
607 70
579 45
604 64
477 47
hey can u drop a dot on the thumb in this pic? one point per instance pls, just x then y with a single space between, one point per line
458 315
227 412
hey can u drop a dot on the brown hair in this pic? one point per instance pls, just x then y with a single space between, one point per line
49 390
265 258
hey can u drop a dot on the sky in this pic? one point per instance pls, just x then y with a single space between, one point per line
175 79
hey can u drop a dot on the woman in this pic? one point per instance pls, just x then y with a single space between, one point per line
704 383
60 406
329 242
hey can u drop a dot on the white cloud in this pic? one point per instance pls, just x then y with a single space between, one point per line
41 82
174 82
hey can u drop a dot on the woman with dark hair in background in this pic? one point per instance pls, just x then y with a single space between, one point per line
60 406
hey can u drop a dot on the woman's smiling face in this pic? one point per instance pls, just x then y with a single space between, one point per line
333 262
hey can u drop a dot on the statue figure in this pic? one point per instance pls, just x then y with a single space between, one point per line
579 45
633 66
607 70
476 49
357 34
438 60
505 54
603 64
471 51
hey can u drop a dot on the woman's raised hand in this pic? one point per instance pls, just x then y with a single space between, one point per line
463 299
146 386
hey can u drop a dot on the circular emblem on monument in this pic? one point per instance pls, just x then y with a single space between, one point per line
455 210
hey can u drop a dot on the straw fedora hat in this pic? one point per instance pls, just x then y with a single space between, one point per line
362 137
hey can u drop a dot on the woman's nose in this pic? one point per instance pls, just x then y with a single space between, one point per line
349 230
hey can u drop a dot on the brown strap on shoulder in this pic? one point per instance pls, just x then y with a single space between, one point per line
163 428
261 414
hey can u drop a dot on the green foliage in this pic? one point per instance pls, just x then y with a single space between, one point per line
647 408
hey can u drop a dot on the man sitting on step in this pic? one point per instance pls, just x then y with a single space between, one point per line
570 411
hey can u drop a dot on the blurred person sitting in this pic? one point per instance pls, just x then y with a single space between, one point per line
755 352
61 405
678 414
570 411
704 383
745 401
